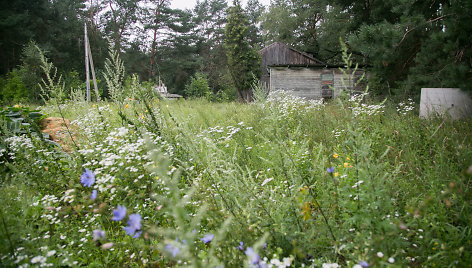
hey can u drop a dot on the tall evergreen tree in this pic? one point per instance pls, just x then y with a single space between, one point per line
243 60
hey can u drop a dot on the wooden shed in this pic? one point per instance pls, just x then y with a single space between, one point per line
285 68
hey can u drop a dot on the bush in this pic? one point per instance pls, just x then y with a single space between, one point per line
14 90
198 87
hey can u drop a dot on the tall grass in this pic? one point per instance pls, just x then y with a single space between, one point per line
313 183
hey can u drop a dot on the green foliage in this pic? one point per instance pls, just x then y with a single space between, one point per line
52 87
114 75
198 87
243 60
13 90
18 120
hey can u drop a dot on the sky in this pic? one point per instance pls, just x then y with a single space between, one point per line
189 4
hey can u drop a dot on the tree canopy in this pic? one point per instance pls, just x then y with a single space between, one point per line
405 45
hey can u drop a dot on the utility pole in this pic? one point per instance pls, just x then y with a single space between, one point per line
87 82
89 60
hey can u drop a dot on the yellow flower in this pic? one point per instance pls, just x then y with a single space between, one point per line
93 105
17 106
306 211
157 178
335 155
345 165
127 106
347 158
336 174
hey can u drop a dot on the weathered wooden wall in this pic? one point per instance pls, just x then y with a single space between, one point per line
304 82
281 54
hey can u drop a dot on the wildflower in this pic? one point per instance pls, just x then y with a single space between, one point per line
207 238
252 255
107 246
17 106
330 265
364 264
37 259
241 246
391 260
98 234
126 106
330 170
380 254
51 253
119 213
336 174
346 165
138 234
94 195
87 178
134 224
335 155
172 249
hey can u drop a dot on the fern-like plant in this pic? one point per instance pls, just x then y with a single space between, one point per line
114 75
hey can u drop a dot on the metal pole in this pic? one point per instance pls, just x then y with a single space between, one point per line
87 62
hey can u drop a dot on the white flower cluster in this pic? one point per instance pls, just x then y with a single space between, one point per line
404 107
360 109
121 150
275 262
18 144
288 104
221 134
92 124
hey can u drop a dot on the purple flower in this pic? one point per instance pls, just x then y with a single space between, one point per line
330 170
87 178
94 195
134 221
364 264
241 246
207 238
252 255
119 213
138 234
172 249
134 224
98 234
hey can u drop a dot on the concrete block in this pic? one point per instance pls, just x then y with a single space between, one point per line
442 101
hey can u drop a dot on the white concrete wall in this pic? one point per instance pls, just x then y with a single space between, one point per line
439 101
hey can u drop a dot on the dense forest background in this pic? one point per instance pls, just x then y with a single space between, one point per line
405 45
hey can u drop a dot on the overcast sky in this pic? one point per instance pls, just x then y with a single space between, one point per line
189 4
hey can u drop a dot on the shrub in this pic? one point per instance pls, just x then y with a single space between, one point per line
198 87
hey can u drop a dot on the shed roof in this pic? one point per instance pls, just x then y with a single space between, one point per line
283 54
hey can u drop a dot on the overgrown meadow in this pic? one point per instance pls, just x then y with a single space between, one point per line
276 183
280 182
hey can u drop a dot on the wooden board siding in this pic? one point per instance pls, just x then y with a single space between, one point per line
281 54
304 82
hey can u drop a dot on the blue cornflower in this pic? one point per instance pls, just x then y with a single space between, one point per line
330 170
87 178
241 246
134 224
138 234
364 264
207 238
255 259
172 249
98 234
94 195
119 213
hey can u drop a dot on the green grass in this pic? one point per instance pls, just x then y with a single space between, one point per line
400 194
